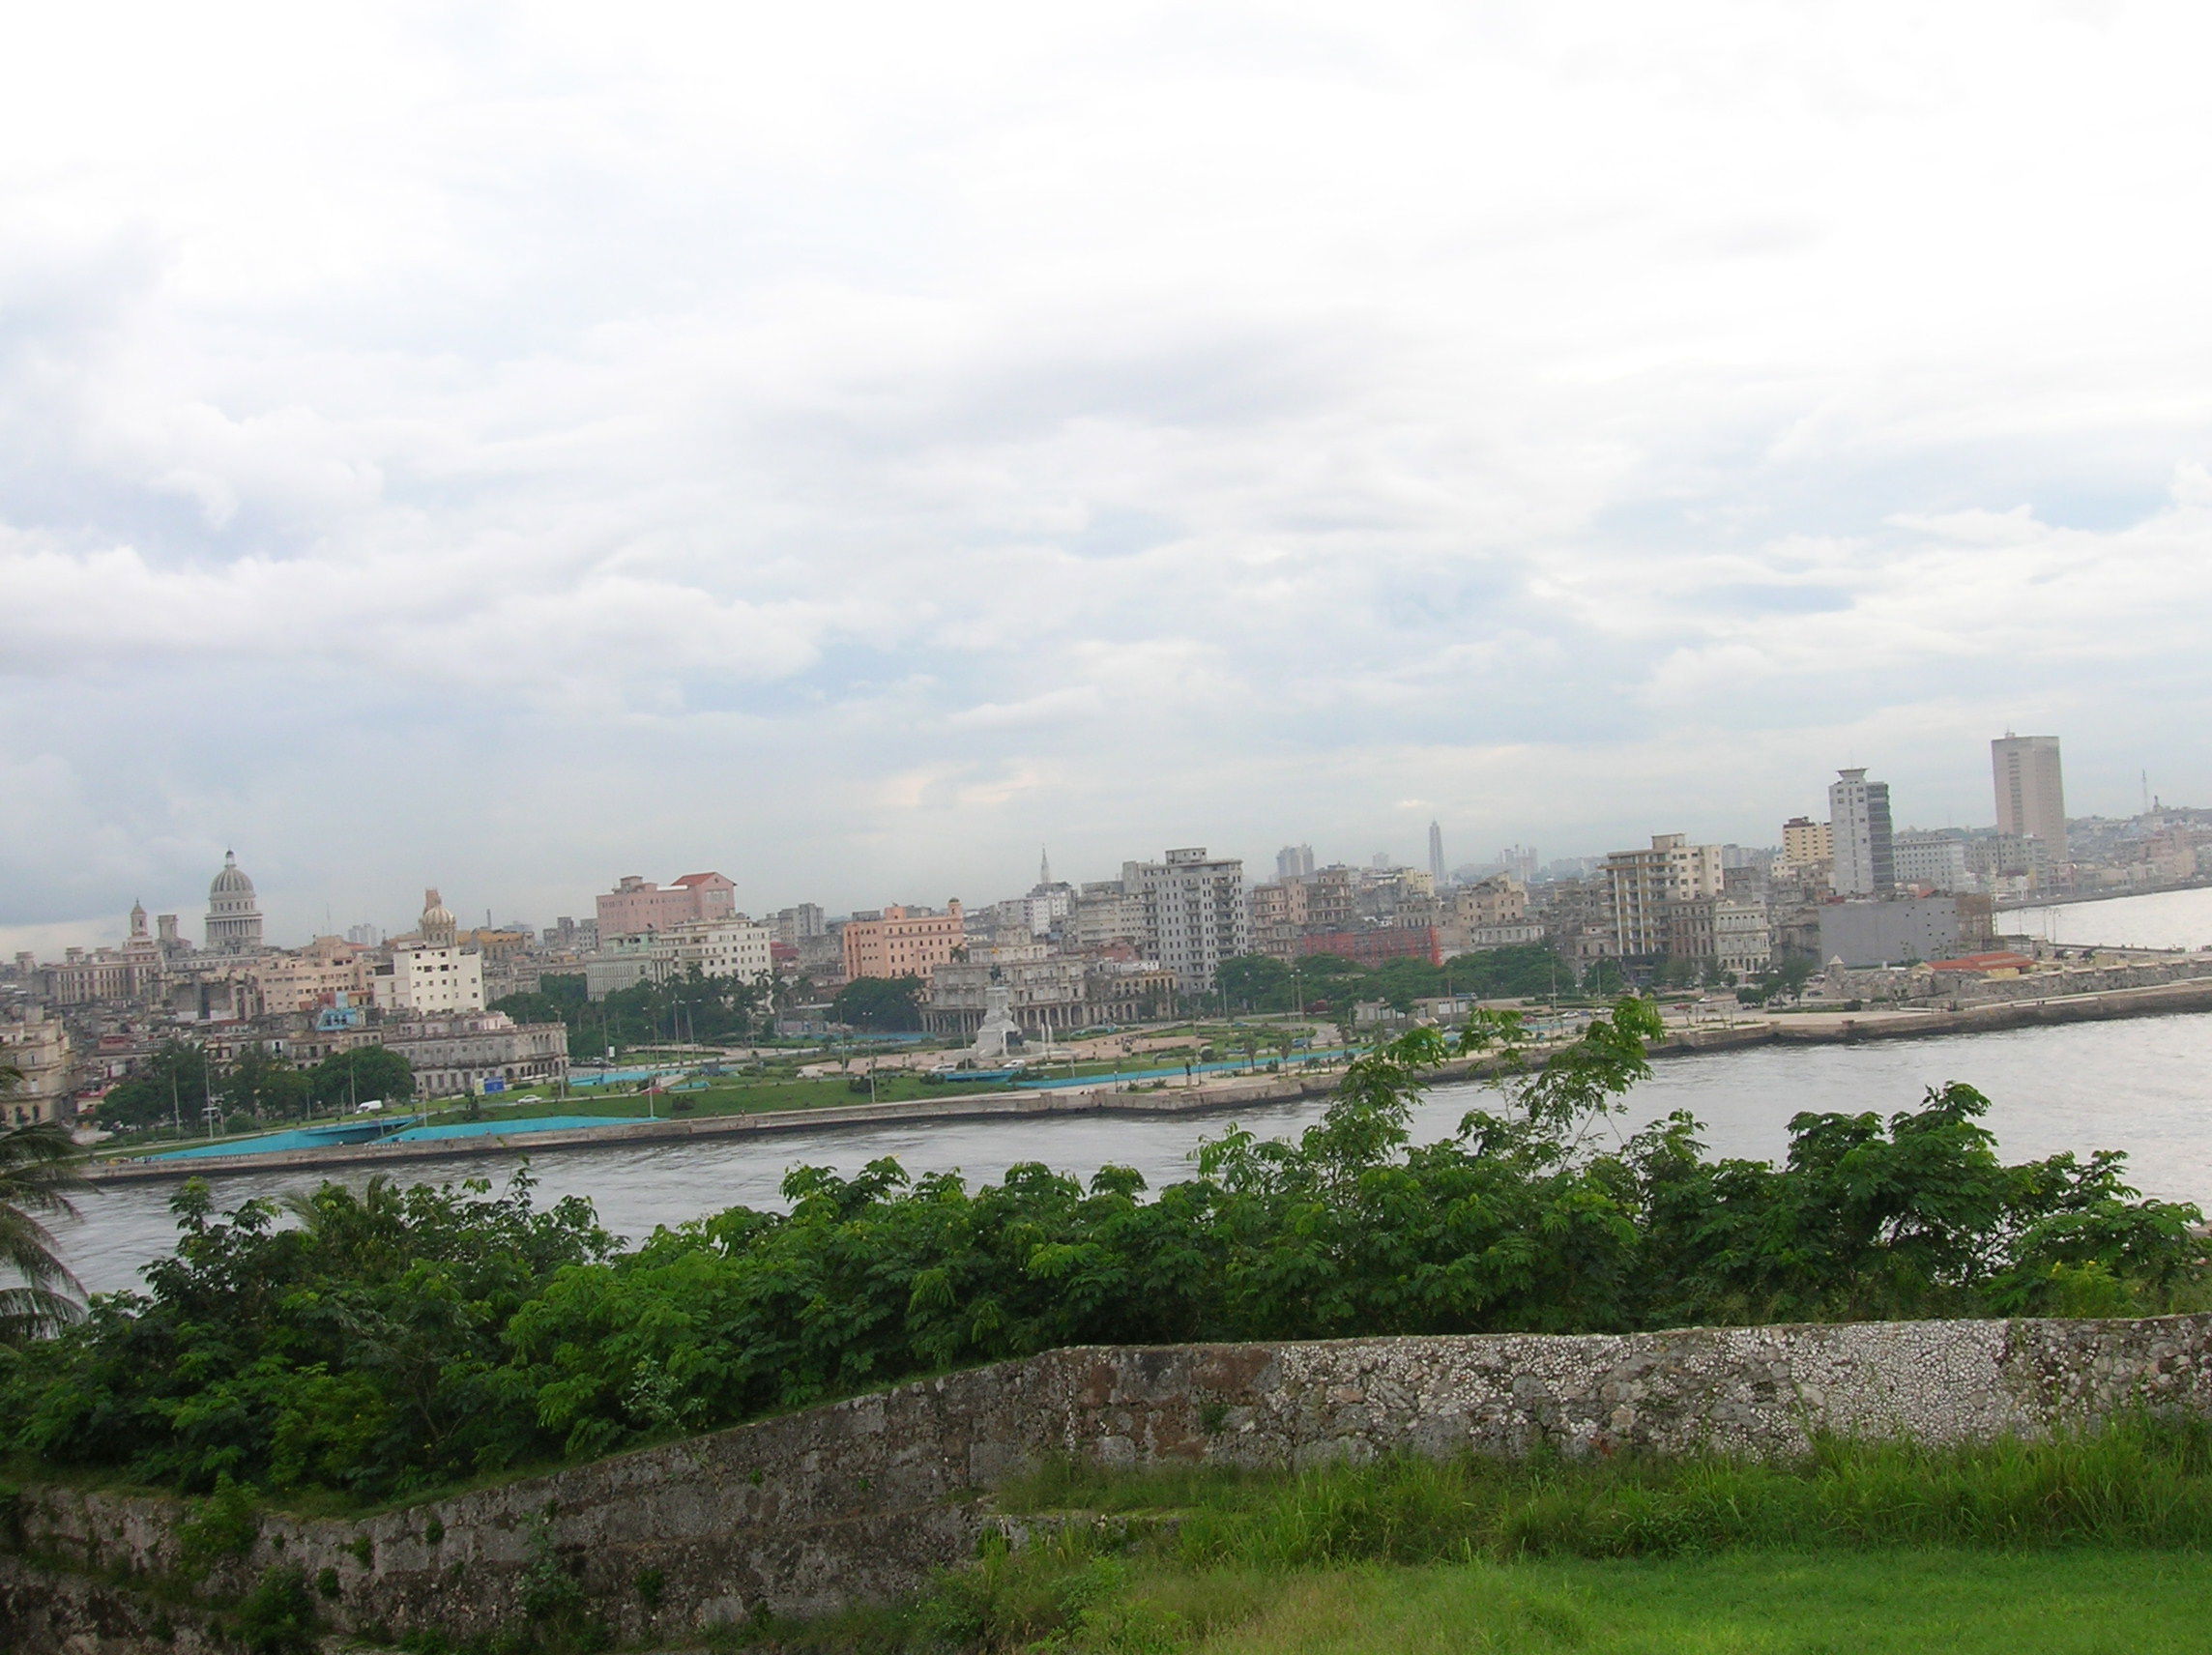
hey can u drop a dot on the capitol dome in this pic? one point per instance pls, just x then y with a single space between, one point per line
233 921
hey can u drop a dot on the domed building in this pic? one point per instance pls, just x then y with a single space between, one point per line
439 926
233 920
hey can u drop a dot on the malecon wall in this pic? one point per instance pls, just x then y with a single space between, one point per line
862 1498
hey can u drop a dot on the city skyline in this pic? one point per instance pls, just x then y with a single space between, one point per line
100 932
844 444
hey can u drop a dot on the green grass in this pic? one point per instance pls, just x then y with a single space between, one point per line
2089 1542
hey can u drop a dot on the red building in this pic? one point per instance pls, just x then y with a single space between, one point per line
1373 947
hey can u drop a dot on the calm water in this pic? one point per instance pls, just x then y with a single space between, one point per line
2163 919
2140 1085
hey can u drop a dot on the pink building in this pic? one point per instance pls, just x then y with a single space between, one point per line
637 906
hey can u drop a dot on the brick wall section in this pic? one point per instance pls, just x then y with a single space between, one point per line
861 1499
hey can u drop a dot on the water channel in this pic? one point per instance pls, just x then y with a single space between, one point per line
2142 1086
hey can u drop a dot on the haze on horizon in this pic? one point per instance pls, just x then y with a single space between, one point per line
849 446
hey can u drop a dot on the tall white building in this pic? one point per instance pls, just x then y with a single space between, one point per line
434 975
1858 819
1194 908
1437 880
2032 793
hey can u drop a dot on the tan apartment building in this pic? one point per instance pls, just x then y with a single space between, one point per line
901 942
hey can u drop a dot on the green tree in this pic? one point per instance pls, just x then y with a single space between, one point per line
172 1083
1255 982
365 1074
264 1086
881 1003
37 1176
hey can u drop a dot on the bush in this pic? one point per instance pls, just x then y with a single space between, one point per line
278 1617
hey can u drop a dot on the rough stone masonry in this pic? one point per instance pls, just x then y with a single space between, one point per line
861 1499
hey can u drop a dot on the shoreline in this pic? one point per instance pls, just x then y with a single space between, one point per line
2087 897
1804 1028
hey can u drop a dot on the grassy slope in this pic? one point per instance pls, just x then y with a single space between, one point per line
2087 1543
1959 1603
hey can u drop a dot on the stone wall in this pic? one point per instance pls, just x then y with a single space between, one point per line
861 1499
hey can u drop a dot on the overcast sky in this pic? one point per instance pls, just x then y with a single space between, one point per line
848 445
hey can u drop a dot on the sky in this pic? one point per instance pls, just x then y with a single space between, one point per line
505 447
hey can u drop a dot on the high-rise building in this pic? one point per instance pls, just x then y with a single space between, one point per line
1194 907
1644 887
2032 794
1294 863
1865 860
1436 856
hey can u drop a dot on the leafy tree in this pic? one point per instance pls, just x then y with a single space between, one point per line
173 1082
1255 982
38 1175
265 1086
881 1003
365 1074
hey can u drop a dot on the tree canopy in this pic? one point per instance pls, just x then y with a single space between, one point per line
881 1003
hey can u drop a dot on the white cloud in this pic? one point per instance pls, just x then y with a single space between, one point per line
852 443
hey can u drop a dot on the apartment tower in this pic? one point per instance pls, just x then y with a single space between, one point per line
2031 797
1858 818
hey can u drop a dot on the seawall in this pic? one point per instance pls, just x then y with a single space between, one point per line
862 1500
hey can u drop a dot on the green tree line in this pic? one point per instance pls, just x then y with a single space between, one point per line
1260 982
179 1080
685 1009
387 1341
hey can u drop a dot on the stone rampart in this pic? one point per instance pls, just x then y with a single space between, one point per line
861 1499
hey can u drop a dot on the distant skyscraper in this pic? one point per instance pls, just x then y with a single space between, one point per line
2031 795
1294 863
1436 855
1858 818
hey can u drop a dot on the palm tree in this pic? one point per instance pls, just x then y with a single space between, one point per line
37 1174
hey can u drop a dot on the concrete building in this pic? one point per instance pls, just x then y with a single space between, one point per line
1902 929
637 906
720 948
476 1052
1051 993
233 917
1438 879
1194 908
39 1046
1640 886
801 923
1106 915
1806 844
1294 863
1864 861
327 967
1277 914
1742 937
901 941
433 975
1936 862
2031 793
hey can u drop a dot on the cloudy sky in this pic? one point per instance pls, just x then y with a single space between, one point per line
849 445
